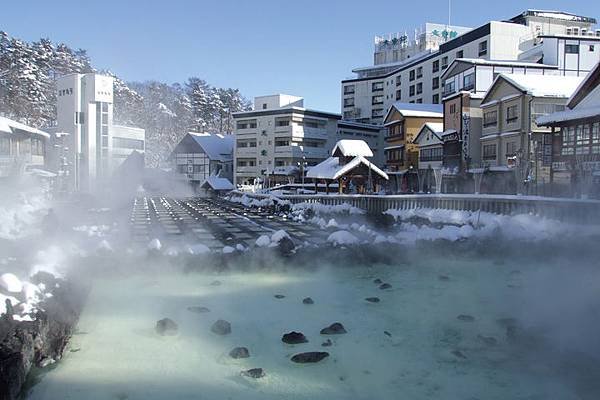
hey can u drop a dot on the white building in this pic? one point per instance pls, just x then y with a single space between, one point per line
95 146
21 146
562 40
279 139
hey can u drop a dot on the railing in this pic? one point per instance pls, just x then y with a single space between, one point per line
564 209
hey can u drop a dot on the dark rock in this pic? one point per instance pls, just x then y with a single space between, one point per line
443 278
221 327
334 329
327 343
286 246
309 357
254 373
294 338
387 333
215 283
511 333
384 286
488 340
166 327
465 318
308 300
198 309
239 352
372 299
459 354
279 296
505 322
377 281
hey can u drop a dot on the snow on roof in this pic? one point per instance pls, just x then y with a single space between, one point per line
572 103
544 85
418 109
436 127
216 146
353 148
568 115
10 126
481 61
331 169
217 183
449 132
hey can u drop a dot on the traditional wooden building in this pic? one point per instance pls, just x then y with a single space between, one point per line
576 139
21 147
430 144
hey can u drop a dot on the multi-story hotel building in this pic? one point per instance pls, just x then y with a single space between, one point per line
411 71
280 139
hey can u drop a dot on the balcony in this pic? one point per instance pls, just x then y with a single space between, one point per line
311 133
246 152
246 170
300 151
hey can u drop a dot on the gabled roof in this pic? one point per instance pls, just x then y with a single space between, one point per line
419 110
216 146
217 183
331 169
352 148
538 85
437 128
10 126
481 61
591 81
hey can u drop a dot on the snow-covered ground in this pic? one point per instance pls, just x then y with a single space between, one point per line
428 351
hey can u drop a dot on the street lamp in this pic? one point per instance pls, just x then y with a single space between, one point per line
302 165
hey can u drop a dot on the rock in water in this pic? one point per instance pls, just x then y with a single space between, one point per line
372 299
166 327
215 283
198 309
254 373
294 338
465 318
334 329
279 296
377 281
309 357
384 286
327 343
221 327
387 333
239 352
308 300
443 278
488 340
459 354
286 246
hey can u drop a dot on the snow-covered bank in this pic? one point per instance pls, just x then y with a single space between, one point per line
21 209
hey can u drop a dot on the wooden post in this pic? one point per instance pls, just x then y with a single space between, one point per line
340 186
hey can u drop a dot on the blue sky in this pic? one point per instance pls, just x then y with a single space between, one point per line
261 47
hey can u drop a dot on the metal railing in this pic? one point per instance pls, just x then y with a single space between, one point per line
563 209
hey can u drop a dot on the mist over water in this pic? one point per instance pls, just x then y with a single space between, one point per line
480 317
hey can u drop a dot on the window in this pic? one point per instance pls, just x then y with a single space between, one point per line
511 113
489 151
396 130
452 108
449 87
377 86
246 124
540 109
126 143
37 147
411 75
511 149
444 62
490 118
572 48
411 90
4 146
483 48
460 54
420 72
377 113
398 80
582 135
435 82
431 154
377 100
104 107
469 82
435 66
264 106
419 101
419 88
398 94
591 47
285 122
596 133
435 99
279 143
349 89
349 102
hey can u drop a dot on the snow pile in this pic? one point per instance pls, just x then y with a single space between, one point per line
263 241
93 230
341 238
198 249
228 250
273 240
318 208
23 297
10 283
154 245
247 201
53 259
464 224
279 235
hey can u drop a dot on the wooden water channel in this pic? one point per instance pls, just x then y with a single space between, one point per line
213 222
